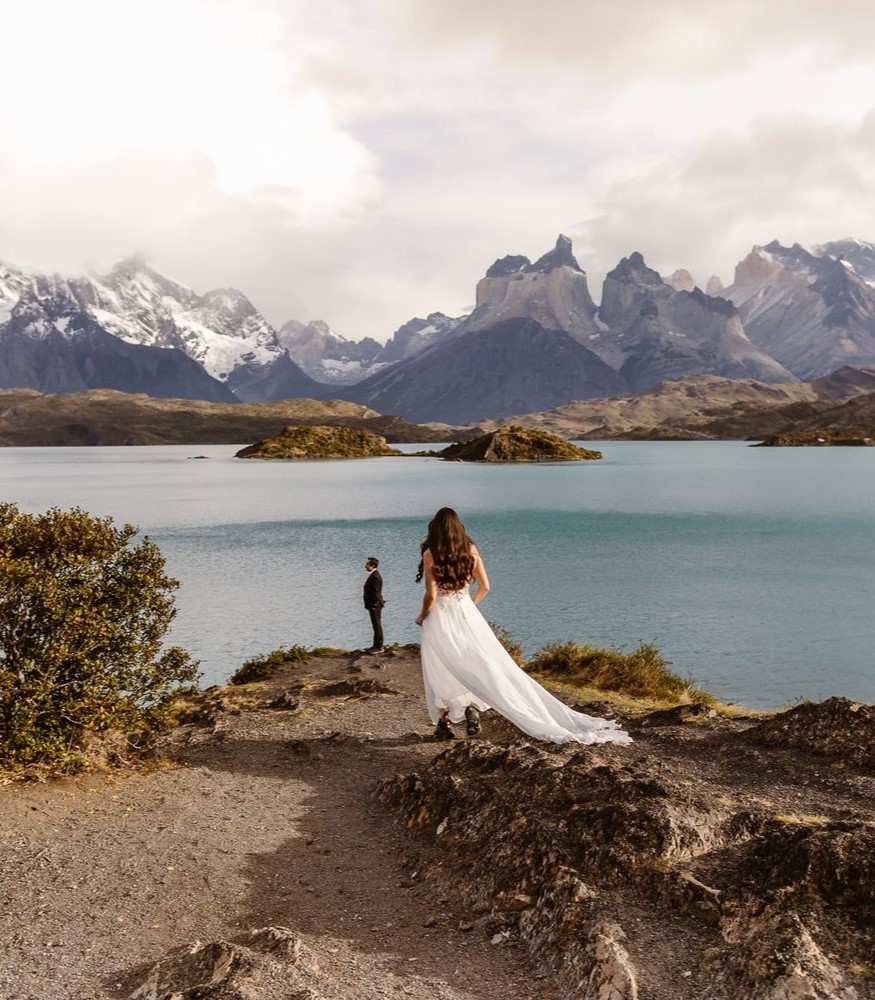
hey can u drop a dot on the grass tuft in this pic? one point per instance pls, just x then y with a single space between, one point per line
261 667
641 673
802 819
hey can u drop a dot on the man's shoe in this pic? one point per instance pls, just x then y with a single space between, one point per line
444 731
472 721
376 649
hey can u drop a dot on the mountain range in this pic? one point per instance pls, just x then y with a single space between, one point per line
536 339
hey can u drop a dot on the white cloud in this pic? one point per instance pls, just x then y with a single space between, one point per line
791 178
363 161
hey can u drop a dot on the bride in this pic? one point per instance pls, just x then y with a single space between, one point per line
465 668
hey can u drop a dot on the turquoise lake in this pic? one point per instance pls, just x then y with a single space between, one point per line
752 569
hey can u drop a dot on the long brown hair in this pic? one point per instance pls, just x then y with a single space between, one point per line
450 550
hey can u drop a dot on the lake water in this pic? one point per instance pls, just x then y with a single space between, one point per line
752 569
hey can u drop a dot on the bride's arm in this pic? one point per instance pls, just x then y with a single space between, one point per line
430 587
480 576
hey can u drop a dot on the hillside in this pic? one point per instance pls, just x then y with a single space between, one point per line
107 417
850 423
699 406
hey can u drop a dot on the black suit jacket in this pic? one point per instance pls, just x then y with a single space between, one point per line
373 593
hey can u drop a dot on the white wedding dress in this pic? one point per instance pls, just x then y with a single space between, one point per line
463 664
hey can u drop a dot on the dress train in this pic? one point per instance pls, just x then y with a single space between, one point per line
463 664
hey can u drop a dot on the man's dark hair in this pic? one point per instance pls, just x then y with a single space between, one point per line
373 561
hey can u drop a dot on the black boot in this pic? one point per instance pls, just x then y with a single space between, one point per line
472 721
444 731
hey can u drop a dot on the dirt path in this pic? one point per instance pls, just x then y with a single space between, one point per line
265 818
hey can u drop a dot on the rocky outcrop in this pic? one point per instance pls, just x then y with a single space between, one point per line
603 849
265 964
836 728
314 441
516 444
813 313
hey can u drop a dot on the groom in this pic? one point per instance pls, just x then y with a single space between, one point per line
373 596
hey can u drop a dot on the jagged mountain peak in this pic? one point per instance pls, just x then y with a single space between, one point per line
714 303
504 266
634 268
858 254
327 356
562 255
681 280
553 292
813 311
230 301
136 271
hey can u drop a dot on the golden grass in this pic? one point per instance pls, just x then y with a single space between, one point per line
642 673
802 819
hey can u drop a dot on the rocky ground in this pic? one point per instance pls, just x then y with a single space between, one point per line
305 838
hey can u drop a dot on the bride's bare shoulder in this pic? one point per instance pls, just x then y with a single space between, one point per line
427 556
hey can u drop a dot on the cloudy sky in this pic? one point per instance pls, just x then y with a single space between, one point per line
364 161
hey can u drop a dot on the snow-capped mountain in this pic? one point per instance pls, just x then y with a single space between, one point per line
13 282
49 341
221 331
417 334
814 313
326 356
858 253
332 359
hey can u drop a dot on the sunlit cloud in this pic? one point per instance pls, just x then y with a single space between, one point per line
364 162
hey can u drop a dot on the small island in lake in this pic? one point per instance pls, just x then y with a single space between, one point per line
817 439
517 444
318 441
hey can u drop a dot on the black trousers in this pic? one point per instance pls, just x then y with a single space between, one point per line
376 616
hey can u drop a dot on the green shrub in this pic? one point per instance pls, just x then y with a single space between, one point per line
261 667
83 614
641 673
510 644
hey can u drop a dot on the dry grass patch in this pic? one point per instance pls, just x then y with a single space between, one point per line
642 673
260 668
